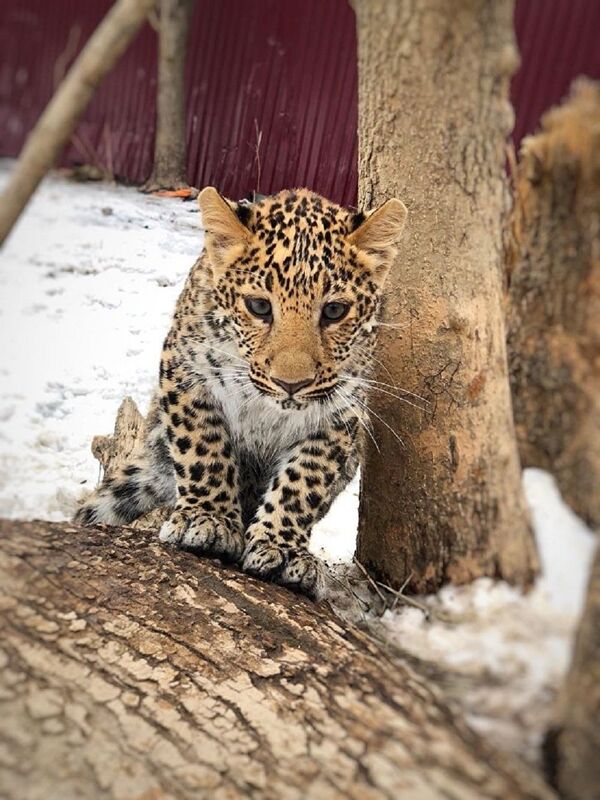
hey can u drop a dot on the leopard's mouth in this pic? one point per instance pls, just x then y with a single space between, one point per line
283 401
296 402
320 394
291 404
303 401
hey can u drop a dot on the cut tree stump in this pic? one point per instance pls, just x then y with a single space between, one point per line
554 299
131 671
113 451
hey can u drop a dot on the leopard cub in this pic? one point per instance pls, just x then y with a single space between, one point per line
255 427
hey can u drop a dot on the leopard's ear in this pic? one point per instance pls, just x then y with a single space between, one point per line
226 235
377 236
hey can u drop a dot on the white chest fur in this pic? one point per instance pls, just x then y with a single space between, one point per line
259 425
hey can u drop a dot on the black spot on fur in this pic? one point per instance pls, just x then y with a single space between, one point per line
356 221
243 213
132 470
197 471
313 499
183 444
287 493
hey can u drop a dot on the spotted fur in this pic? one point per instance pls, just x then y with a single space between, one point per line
256 424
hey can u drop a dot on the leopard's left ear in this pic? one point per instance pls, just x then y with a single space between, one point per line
226 235
378 235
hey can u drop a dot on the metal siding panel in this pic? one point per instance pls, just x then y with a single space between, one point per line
287 67
558 40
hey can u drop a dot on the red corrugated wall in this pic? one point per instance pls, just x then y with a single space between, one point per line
558 40
271 86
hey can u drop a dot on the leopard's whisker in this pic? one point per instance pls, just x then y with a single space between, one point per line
362 350
230 372
369 410
371 383
358 415
210 346
386 392
398 326
345 424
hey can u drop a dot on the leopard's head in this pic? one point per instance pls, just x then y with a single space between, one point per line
300 280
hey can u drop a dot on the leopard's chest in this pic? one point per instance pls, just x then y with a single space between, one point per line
258 426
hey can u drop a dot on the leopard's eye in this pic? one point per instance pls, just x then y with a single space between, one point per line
259 307
334 312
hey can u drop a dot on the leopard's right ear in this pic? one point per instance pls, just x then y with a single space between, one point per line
226 235
377 234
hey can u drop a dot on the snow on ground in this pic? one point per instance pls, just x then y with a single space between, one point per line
503 654
88 282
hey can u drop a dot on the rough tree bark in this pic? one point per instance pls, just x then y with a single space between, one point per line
433 118
573 746
554 299
62 113
131 671
169 170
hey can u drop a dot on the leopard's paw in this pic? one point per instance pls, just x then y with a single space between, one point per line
208 535
299 570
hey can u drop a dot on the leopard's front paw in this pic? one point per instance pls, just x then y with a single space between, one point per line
297 569
208 535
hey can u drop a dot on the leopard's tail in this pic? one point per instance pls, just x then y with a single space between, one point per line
145 483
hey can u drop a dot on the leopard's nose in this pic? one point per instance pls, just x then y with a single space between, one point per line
292 388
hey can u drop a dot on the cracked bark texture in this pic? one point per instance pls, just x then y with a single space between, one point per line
573 746
132 672
554 299
433 120
169 170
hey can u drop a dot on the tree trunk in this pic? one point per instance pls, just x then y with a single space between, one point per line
572 747
131 671
57 123
433 118
554 295
170 166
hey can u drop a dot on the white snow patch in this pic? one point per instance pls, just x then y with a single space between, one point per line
88 283
334 538
504 654
565 543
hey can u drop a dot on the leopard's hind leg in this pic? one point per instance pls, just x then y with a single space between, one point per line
144 483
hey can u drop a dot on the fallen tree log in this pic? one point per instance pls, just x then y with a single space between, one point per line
132 671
